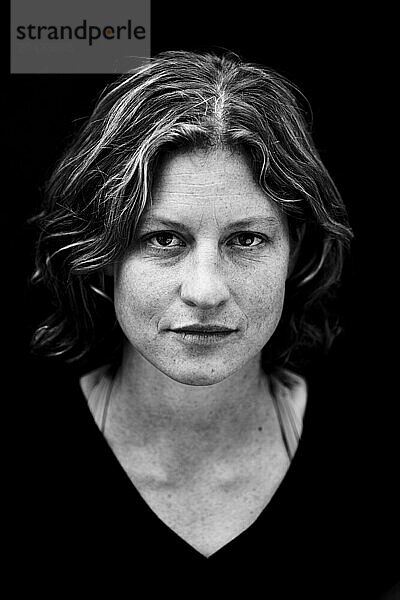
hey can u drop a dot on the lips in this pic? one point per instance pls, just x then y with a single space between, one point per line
196 328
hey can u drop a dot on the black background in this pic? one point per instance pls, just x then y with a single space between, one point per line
341 62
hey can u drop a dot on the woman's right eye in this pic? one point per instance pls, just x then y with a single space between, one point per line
164 239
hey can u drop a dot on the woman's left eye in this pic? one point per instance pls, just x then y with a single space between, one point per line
246 239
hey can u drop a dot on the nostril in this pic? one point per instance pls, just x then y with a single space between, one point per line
206 293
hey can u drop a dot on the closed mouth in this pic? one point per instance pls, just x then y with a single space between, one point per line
212 329
205 331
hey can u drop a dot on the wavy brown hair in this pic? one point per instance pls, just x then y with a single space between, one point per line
102 184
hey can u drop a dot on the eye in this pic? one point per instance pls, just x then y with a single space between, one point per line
164 240
246 238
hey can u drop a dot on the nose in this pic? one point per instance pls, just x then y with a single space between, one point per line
203 284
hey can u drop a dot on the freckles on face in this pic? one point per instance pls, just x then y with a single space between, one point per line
139 297
261 292
212 248
145 293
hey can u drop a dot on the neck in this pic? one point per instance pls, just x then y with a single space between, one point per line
151 410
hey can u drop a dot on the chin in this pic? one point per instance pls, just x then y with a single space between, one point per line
199 377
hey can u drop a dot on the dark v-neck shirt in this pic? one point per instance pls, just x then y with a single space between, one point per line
85 526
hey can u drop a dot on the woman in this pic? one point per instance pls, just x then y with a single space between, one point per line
192 241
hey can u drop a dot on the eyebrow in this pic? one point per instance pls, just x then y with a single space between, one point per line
254 220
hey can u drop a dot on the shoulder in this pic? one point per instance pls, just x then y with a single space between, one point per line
90 380
291 388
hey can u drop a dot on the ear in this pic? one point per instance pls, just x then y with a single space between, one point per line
295 244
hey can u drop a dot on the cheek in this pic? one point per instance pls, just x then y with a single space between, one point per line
139 295
264 296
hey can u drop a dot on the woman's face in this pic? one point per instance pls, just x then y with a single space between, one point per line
211 250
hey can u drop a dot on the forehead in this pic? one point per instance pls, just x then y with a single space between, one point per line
195 183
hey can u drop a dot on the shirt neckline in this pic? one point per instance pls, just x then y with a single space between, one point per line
273 504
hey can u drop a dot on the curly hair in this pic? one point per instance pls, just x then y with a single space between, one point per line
102 184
